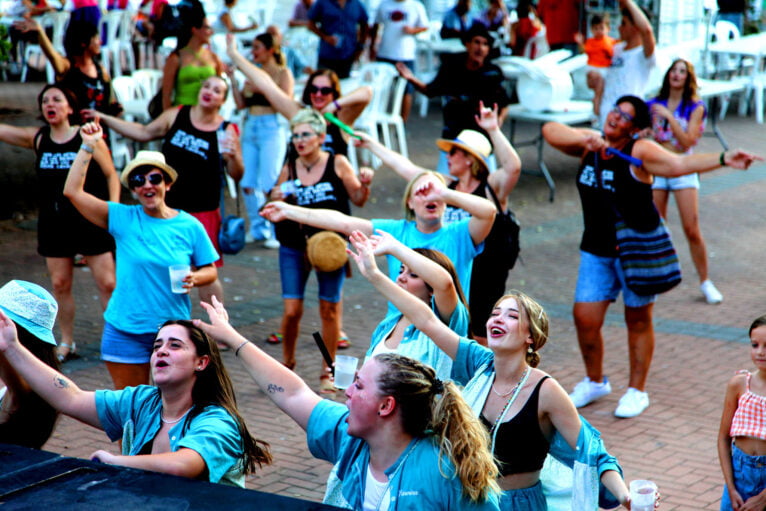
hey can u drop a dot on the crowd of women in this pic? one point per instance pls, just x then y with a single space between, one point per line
449 409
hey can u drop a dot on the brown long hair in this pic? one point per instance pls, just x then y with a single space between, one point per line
213 387
689 95
428 406
334 81
445 262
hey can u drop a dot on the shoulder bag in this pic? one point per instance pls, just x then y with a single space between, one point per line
502 242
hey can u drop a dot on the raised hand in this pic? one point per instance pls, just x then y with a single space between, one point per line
219 327
487 118
364 257
91 132
383 243
8 334
430 189
739 159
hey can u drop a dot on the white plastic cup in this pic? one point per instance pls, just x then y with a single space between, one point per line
643 494
345 370
223 138
178 273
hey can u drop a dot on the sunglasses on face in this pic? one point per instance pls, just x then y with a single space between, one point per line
625 116
305 135
313 89
138 180
454 150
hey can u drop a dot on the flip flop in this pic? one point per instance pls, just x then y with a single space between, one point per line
343 342
274 338
69 355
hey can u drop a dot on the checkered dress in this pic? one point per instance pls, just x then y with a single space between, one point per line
750 418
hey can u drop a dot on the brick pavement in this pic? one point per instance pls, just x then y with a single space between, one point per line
698 346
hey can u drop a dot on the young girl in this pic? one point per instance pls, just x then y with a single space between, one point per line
742 436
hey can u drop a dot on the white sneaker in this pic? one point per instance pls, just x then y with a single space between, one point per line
588 391
632 404
712 295
271 243
249 238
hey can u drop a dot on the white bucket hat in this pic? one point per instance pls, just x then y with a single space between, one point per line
31 307
470 141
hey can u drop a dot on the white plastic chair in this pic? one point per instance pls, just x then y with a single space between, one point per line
57 21
426 65
380 77
149 80
537 45
391 117
118 26
304 42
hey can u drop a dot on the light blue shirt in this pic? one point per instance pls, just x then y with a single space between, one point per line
133 414
416 482
146 246
415 344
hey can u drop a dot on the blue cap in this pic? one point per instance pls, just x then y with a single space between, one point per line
30 306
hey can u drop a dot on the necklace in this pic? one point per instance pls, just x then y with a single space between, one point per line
514 393
498 394
309 167
164 420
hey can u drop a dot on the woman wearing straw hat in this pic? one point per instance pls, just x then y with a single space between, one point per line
314 178
467 156
62 232
150 238
25 418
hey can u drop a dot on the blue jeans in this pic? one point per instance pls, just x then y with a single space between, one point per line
749 476
294 271
263 152
601 278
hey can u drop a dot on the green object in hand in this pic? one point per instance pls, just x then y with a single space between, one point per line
342 125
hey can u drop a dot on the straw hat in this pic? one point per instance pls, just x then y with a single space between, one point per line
326 251
148 159
470 141
30 306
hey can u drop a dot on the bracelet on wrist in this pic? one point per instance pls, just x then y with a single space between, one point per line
236 352
335 102
722 159
88 149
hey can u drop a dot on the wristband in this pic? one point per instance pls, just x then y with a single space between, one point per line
335 102
88 149
236 352
722 159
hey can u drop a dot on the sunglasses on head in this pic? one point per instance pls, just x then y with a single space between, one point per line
313 89
137 180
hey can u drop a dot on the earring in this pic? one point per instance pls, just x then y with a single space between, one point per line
530 350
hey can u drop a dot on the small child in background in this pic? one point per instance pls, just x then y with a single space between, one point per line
742 435
599 49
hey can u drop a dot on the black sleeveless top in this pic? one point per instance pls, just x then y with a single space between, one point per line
607 187
194 155
256 99
333 140
327 193
520 445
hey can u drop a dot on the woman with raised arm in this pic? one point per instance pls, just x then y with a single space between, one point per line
431 276
316 179
467 163
678 121
187 424
522 407
263 150
201 146
322 93
404 441
424 201
615 182
151 237
62 232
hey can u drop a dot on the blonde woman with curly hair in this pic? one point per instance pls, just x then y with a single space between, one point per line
404 441
521 407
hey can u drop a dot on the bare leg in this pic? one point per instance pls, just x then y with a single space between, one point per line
661 201
291 322
329 312
589 318
598 90
102 267
128 375
60 269
688 208
640 343
406 106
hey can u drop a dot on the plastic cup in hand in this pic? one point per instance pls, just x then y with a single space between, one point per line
345 370
223 138
178 273
643 494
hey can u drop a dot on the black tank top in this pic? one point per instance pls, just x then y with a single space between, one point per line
256 99
607 187
333 140
520 445
327 193
194 155
52 164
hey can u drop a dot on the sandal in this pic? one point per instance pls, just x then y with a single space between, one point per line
70 353
274 338
327 385
343 342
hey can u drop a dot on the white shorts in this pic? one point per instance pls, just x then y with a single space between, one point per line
672 184
599 70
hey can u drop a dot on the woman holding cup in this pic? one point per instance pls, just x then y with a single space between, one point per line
150 238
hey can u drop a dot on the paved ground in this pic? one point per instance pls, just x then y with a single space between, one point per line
698 346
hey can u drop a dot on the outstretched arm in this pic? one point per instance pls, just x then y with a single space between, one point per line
323 218
417 311
572 141
659 161
395 161
285 388
54 387
508 171
60 63
91 207
184 462
158 128
18 136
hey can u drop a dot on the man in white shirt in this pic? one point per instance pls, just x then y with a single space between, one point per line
633 58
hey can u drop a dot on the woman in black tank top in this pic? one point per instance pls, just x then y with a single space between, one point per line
615 180
522 407
62 231
316 179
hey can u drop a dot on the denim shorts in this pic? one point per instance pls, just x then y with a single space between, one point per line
601 278
524 499
749 476
125 347
294 271
676 183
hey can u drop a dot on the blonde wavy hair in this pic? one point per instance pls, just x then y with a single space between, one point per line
533 314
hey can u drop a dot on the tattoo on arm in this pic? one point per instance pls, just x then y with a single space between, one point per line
60 382
271 389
